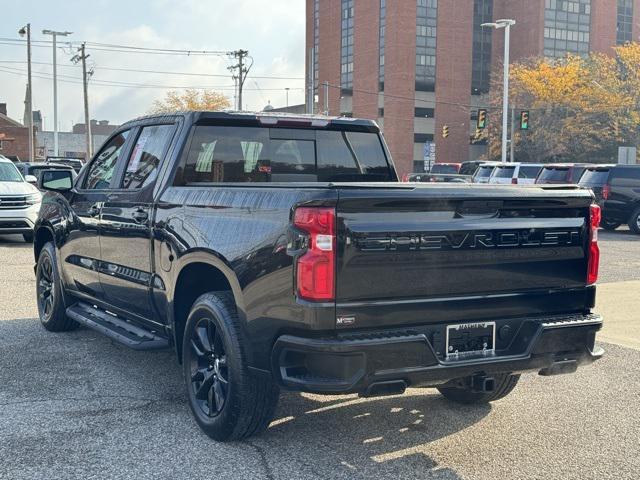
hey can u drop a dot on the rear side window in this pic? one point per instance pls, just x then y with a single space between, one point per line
143 164
484 172
553 174
528 172
257 154
594 177
504 172
468 169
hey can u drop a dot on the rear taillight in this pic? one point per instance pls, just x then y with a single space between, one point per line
514 181
315 272
606 191
405 178
595 215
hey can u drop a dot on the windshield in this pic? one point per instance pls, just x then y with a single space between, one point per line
595 177
554 175
504 172
9 173
442 168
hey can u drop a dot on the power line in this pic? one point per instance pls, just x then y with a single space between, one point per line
116 83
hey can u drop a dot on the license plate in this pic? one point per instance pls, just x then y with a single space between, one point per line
468 339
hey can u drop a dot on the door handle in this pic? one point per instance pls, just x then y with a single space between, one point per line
94 210
140 215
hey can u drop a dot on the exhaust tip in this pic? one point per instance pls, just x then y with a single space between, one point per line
381 389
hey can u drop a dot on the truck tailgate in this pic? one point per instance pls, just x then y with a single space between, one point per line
444 253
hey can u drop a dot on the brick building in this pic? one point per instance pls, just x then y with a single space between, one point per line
14 137
417 65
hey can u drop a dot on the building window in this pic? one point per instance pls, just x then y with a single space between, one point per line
427 19
422 137
383 26
316 43
625 22
346 58
566 27
424 112
481 65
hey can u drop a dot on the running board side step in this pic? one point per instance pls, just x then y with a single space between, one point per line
116 328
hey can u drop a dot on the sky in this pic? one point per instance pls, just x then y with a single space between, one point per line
273 32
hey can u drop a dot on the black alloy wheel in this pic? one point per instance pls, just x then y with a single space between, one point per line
46 288
209 370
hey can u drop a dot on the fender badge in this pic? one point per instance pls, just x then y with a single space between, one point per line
345 320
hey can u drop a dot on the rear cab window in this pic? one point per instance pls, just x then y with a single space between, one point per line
237 154
554 174
444 169
595 176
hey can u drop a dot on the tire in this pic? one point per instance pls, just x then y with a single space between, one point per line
634 222
465 395
50 294
609 225
28 237
227 401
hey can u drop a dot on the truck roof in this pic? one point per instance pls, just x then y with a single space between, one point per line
292 120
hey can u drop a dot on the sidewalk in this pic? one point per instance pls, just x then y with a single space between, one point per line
619 303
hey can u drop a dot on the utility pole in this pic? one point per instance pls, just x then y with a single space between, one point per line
26 30
54 34
82 57
287 90
243 71
311 93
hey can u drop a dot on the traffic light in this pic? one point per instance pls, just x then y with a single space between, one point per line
482 119
445 131
524 120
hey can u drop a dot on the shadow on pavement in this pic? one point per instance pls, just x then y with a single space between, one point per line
311 435
14 241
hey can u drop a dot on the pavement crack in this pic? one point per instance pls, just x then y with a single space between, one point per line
263 459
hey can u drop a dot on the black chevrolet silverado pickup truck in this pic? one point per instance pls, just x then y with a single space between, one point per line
281 252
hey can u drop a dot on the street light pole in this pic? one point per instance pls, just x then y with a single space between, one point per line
54 34
506 24
26 30
287 90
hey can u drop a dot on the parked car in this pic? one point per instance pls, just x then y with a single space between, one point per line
469 168
515 173
281 252
437 178
483 173
19 201
36 168
561 173
446 168
617 191
76 163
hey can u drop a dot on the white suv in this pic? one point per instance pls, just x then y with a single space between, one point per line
516 173
19 201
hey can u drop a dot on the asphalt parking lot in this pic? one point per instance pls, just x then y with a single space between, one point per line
75 405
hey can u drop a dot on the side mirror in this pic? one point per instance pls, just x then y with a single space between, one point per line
31 179
56 180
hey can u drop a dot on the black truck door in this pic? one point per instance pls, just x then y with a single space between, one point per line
80 250
126 267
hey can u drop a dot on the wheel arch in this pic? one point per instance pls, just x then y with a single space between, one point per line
42 234
200 272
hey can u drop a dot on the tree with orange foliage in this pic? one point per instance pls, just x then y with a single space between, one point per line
581 108
190 99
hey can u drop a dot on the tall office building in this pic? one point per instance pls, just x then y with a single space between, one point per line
418 65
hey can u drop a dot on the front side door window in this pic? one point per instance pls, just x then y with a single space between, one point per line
103 168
